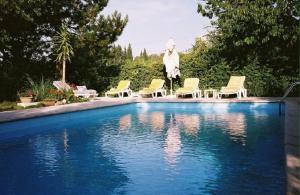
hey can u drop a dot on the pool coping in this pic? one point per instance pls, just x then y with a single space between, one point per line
14 115
291 135
292 146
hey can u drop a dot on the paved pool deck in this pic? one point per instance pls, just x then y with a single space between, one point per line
291 122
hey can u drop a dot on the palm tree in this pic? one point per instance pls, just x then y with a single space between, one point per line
62 49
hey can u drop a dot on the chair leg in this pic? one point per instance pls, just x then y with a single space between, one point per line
245 93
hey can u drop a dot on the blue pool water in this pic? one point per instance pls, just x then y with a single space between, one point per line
147 148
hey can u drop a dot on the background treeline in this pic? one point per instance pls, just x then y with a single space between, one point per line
26 34
258 39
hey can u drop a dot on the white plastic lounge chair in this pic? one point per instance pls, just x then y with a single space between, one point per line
190 87
81 91
122 88
155 87
235 86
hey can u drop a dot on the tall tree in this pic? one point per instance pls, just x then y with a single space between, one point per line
63 49
129 52
258 38
124 53
144 54
262 30
25 41
92 49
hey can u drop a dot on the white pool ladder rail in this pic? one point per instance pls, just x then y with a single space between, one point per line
289 90
291 87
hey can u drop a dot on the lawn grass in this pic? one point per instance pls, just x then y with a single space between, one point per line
6 106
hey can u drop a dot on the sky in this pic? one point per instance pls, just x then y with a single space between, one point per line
153 22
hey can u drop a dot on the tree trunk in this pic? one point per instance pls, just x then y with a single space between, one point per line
64 71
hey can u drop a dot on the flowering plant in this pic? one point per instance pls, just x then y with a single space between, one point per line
26 93
73 86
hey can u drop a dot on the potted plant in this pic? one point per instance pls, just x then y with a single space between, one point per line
49 101
26 96
50 98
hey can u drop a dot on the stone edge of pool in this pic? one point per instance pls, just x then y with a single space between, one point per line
291 136
14 115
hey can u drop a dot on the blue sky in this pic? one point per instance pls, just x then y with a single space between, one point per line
152 22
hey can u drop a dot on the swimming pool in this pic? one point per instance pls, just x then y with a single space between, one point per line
147 148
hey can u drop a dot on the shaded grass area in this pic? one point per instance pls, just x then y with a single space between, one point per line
6 106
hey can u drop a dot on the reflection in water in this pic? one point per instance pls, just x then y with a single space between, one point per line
142 118
66 146
46 153
157 121
236 124
190 123
125 122
172 145
101 160
232 123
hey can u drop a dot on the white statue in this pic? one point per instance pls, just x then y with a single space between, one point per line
171 61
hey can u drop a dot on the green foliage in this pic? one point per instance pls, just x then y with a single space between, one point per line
140 72
25 46
264 29
80 99
68 95
144 54
6 106
40 89
62 48
25 93
258 39
258 80
64 95
204 61
129 55
97 61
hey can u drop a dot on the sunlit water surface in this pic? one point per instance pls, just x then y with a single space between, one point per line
154 148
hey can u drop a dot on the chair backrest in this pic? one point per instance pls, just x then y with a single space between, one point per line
124 84
236 82
156 84
192 83
81 88
61 85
